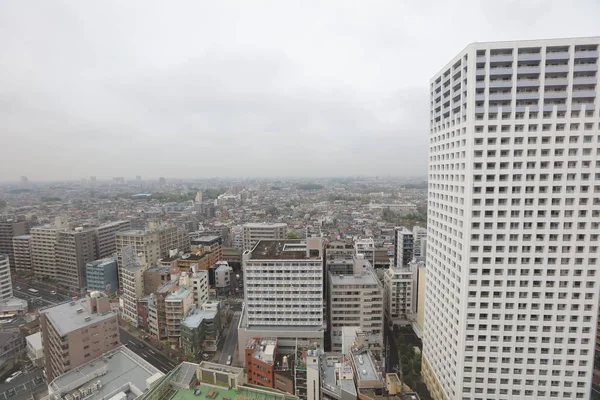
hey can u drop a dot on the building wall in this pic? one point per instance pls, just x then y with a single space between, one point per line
252 233
6 290
512 230
101 273
43 256
398 294
107 239
132 287
22 252
74 249
10 228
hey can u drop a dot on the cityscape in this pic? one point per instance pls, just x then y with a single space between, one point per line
335 265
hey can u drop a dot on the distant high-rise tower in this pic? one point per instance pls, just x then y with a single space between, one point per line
24 180
162 181
138 178
513 222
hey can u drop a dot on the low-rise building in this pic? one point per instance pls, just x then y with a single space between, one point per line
200 331
116 374
35 352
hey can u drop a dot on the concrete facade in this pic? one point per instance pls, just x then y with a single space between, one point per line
6 290
254 232
22 252
43 255
102 275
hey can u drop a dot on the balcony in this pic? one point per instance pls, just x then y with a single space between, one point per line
528 83
555 95
501 71
584 80
556 82
500 97
585 67
581 106
501 57
583 94
557 68
529 57
500 84
528 96
550 107
529 70
586 54
559 55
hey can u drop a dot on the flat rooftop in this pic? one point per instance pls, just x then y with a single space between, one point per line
65 318
208 239
366 370
264 349
362 279
132 232
122 367
195 318
280 250
265 225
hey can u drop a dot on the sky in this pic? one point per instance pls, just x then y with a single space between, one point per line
195 89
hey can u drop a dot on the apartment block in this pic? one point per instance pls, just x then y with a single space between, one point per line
197 281
74 249
102 275
283 284
6 290
144 244
200 330
356 301
173 238
132 289
75 333
107 237
420 243
254 232
43 255
512 267
208 244
155 277
9 228
177 305
403 247
398 295
22 253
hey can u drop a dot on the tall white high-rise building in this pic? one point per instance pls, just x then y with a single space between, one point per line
6 290
513 211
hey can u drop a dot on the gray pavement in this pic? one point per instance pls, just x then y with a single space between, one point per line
159 360
22 387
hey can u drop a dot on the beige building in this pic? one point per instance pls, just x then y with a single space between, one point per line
197 281
132 289
144 244
254 232
77 332
177 306
356 301
398 295
74 249
43 256
107 237
22 252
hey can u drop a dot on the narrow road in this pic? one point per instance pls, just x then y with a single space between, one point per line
22 387
153 356
231 339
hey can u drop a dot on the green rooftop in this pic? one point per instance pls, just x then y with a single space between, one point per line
222 393
241 393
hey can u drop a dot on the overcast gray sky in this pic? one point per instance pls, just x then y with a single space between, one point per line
239 88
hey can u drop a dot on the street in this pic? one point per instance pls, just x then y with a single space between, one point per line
149 353
229 346
22 387
42 298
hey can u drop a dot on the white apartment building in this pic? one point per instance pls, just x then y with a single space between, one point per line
254 232
398 295
513 208
283 292
403 247
43 257
6 290
356 301
237 237
197 281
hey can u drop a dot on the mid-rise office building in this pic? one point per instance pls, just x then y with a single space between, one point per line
254 232
77 332
74 249
6 290
513 208
356 301
43 255
22 253
9 228
107 237
102 275
403 247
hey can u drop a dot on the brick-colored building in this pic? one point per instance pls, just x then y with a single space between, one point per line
260 361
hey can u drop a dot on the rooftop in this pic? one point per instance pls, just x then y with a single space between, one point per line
107 260
209 239
178 294
196 316
264 349
132 232
65 317
22 237
12 304
35 340
280 250
365 366
265 225
119 370
365 278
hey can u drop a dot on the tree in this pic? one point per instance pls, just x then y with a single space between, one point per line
292 235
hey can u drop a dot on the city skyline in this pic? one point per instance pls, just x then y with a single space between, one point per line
189 87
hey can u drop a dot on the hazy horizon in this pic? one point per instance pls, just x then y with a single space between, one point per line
189 88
